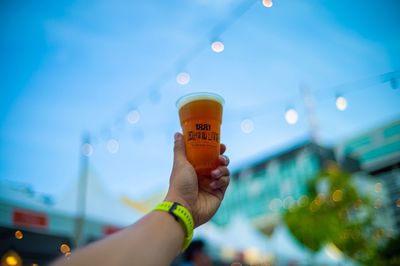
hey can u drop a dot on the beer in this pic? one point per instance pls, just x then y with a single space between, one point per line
200 116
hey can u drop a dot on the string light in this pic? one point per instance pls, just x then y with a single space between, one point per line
291 116
11 258
341 103
133 116
64 248
19 235
113 146
87 149
217 46
247 126
183 78
267 3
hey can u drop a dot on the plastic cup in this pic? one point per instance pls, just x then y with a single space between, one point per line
200 116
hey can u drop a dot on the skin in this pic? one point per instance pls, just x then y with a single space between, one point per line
157 237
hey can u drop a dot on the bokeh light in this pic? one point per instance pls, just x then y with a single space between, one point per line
378 187
183 78
267 3
337 195
247 126
227 253
315 204
291 116
87 149
251 255
11 258
302 201
341 103
288 202
18 234
133 117
217 46
275 204
113 146
64 248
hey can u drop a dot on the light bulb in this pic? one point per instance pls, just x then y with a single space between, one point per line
247 126
87 149
133 117
183 78
267 3
291 116
341 103
217 46
113 146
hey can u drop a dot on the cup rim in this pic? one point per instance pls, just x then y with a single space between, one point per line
195 96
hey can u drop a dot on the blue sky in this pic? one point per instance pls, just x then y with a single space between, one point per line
70 67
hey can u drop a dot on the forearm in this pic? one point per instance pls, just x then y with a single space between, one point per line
154 240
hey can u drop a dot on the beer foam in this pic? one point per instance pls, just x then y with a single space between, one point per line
197 96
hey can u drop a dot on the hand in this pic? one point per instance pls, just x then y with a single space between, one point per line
202 202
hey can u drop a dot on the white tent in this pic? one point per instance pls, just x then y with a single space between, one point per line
238 236
211 233
242 235
101 204
288 248
330 255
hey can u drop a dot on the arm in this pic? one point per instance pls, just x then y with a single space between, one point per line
157 237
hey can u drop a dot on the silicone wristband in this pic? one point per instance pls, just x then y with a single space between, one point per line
182 215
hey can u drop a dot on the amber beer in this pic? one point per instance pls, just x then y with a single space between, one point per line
201 116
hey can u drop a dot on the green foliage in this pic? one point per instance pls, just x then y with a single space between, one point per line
335 212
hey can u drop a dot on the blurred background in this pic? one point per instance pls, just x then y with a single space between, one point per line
311 121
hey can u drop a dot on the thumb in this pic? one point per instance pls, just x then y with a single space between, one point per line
179 148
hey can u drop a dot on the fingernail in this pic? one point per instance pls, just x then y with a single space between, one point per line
177 136
216 173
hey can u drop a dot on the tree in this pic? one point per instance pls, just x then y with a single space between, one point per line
334 211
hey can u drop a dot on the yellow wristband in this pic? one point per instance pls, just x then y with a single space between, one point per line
184 216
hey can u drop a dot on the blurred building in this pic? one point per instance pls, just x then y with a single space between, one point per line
36 228
263 189
378 152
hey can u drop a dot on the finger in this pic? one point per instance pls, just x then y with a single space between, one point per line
223 189
220 172
179 148
221 183
222 148
223 160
